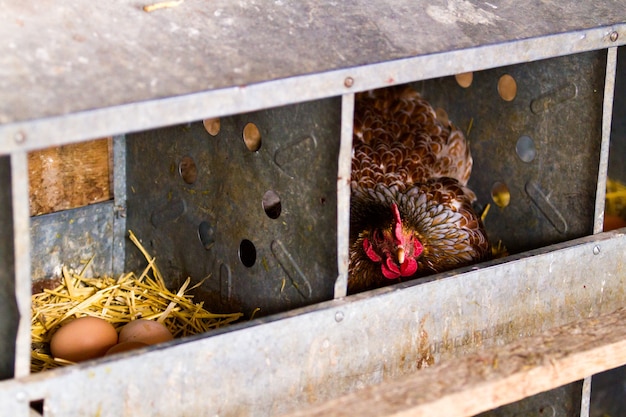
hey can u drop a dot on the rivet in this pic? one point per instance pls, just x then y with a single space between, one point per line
21 396
339 316
596 250
20 137
613 36
348 82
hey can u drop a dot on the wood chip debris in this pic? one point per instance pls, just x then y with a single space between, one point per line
162 5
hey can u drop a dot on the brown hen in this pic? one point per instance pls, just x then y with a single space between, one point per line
411 211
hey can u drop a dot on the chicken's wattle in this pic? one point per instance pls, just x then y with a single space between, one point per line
396 251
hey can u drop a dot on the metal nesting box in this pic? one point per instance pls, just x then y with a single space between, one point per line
271 254
268 220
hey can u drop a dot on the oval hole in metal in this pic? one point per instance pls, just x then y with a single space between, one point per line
500 194
507 87
212 126
247 253
206 233
252 137
271 204
188 170
525 148
465 79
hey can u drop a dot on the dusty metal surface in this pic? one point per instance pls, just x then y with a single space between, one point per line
22 260
608 393
110 68
65 59
201 205
71 238
8 306
119 209
343 194
561 402
179 211
342 344
573 399
617 167
607 117
89 69
552 192
552 196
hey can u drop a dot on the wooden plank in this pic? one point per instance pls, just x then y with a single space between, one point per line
494 377
70 176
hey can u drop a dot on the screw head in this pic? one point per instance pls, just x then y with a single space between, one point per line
348 82
613 36
20 137
339 316
596 250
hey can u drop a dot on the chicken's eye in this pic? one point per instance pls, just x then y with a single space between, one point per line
376 237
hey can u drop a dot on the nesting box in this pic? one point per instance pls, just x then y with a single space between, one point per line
231 130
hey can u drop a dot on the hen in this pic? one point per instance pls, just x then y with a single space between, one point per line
411 211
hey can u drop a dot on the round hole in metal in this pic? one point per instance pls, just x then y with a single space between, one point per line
465 79
271 204
500 194
507 87
247 253
206 234
252 137
188 170
212 126
525 148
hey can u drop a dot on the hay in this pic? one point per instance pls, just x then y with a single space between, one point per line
118 301
615 198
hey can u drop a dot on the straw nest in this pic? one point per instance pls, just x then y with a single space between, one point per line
118 301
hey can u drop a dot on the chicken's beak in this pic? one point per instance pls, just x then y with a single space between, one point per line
400 254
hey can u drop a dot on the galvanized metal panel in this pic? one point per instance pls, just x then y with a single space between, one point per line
326 359
196 200
22 260
61 57
617 167
71 238
167 212
552 196
172 222
119 209
343 194
8 305
159 67
273 365
608 394
607 118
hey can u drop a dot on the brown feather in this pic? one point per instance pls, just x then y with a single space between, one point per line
404 154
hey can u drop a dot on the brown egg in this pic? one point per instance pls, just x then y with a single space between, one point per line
83 339
125 346
145 331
